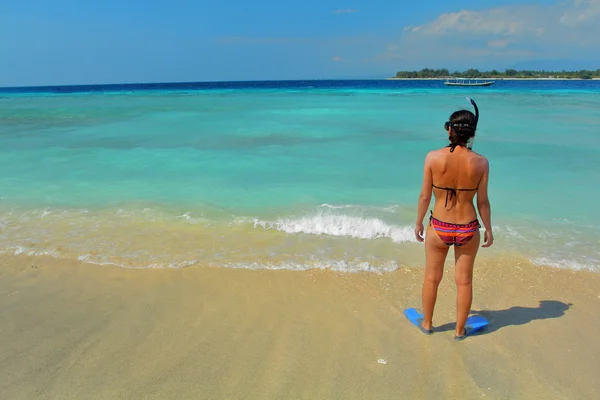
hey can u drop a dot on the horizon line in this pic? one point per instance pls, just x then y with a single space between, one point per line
187 82
79 85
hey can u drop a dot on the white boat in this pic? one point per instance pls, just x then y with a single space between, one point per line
467 82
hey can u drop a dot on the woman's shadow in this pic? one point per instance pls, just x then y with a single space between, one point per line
515 316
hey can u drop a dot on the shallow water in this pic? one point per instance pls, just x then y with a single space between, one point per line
292 175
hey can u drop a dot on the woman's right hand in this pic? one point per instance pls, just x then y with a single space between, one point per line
488 239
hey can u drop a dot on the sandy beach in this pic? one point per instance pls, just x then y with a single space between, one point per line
72 330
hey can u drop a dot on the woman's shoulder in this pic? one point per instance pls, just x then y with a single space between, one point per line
479 156
433 156
480 159
437 152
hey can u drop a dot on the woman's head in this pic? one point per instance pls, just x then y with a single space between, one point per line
461 127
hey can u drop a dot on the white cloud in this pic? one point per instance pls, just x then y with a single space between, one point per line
502 34
337 59
502 21
581 12
517 20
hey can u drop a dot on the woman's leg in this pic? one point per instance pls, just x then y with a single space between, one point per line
464 257
435 256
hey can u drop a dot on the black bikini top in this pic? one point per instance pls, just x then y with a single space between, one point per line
451 192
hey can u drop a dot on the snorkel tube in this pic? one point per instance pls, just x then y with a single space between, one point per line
471 140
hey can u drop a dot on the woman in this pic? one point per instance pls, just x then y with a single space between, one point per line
454 174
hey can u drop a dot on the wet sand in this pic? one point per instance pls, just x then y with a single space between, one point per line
78 331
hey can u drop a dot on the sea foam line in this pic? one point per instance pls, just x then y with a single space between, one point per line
564 264
346 266
333 265
338 265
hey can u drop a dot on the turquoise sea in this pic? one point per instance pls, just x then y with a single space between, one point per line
288 175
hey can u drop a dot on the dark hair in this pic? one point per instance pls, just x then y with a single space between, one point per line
463 124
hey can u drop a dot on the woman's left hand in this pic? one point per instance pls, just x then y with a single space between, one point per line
419 232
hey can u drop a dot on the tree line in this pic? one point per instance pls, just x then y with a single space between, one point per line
509 73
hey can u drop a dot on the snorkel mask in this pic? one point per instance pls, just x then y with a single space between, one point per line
472 139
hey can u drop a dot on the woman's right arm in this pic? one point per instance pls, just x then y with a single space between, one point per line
483 205
424 198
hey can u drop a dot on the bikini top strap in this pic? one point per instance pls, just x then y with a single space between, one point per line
454 145
451 192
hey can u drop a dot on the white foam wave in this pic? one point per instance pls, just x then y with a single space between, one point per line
335 207
188 218
360 208
341 225
565 264
88 258
20 250
14 250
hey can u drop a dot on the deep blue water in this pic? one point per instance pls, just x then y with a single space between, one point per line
500 85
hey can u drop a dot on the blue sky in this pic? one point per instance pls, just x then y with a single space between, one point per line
110 41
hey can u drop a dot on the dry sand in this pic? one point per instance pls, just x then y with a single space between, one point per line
76 331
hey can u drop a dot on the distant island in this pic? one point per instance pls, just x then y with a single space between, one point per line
428 73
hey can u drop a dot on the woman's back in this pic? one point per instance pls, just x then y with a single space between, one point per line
456 177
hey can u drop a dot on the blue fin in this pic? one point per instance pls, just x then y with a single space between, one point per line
413 316
416 318
476 323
